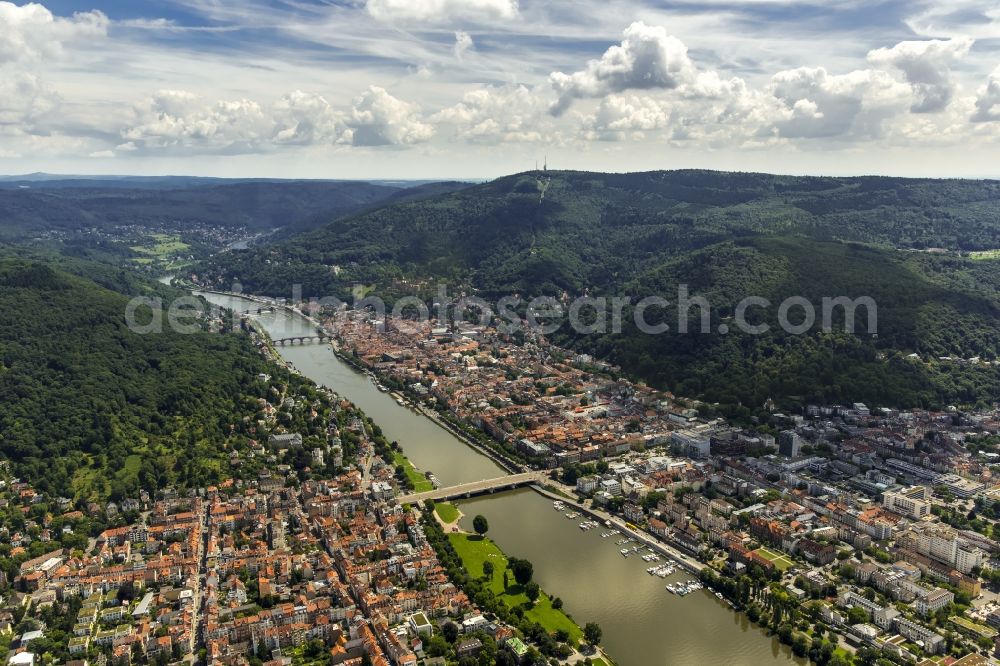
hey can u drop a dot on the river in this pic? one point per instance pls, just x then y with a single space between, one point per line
644 625
429 446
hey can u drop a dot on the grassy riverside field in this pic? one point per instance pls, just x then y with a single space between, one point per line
475 550
420 482
447 512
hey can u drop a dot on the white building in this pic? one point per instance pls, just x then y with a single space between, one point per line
910 502
587 484
611 486
694 443
22 659
934 600
943 544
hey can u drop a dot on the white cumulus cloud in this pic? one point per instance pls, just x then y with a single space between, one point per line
647 58
179 120
925 65
498 114
379 119
31 32
988 100
305 118
23 99
621 115
815 104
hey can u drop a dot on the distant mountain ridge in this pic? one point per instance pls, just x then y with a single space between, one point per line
49 180
257 205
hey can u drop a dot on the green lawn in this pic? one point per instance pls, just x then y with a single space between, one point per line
419 481
162 245
446 511
780 560
159 248
474 551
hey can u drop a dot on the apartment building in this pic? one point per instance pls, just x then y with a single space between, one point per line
910 502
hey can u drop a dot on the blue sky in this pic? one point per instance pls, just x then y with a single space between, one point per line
479 88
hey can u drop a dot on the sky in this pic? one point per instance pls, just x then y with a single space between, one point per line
475 89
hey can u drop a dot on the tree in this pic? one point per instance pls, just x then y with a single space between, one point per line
480 524
532 590
450 631
838 660
856 615
488 569
523 570
126 592
437 646
504 658
800 645
592 633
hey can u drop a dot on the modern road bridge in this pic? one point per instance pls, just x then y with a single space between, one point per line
476 488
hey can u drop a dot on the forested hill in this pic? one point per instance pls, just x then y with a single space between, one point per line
903 241
553 231
89 408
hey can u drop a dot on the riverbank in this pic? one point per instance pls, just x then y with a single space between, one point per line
418 480
448 515
689 563
486 578
491 450
476 551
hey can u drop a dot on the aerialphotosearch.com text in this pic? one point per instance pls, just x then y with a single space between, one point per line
686 313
